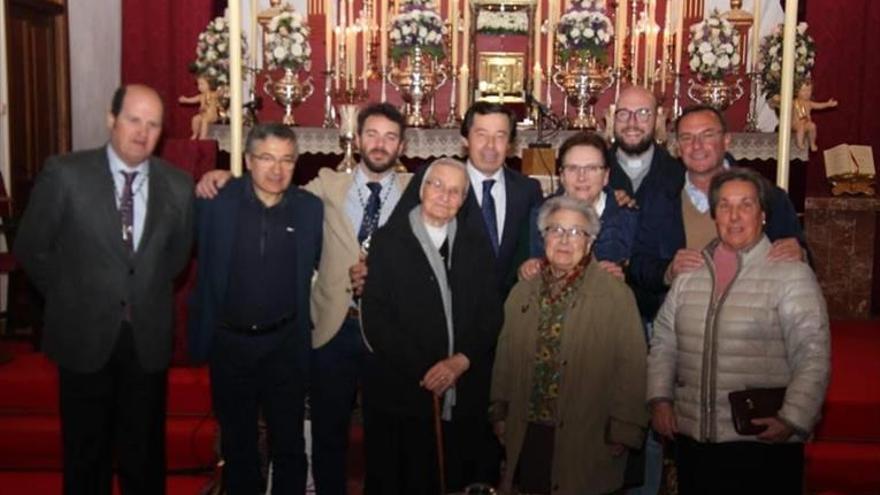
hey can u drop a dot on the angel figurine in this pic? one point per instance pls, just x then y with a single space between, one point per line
802 122
209 107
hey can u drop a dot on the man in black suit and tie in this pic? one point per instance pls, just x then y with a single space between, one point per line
500 198
103 236
259 241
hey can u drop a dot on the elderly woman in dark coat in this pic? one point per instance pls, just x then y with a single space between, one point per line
569 375
431 317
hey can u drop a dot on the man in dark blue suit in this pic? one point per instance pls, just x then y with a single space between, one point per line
259 241
500 198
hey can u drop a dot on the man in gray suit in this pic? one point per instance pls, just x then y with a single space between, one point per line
103 236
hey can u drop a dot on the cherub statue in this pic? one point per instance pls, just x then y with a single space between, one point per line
660 125
802 123
209 107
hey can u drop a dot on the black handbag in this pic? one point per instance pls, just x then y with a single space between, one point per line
753 403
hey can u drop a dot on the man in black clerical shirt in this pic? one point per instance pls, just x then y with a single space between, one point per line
259 241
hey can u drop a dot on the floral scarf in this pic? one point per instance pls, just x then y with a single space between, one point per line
555 297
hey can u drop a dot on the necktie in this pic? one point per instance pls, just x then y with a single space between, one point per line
126 210
488 208
370 222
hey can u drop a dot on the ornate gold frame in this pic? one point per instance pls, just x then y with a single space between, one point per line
501 77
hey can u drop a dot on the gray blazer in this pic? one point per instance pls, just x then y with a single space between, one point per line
70 245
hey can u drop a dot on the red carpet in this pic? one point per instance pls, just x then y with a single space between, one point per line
844 458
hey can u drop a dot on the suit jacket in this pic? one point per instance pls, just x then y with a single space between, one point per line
405 325
661 234
71 247
217 227
523 194
331 291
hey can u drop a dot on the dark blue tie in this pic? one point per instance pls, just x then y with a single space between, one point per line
488 208
370 222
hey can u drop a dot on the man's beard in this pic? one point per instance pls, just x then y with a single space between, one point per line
379 168
634 149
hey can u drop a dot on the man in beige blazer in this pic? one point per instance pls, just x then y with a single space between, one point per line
355 205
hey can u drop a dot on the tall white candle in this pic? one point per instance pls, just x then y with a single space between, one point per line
679 37
328 37
453 25
383 34
756 36
536 55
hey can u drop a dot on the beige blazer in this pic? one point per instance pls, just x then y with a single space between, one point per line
331 288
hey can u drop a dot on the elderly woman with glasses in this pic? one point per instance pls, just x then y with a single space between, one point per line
569 375
738 323
583 175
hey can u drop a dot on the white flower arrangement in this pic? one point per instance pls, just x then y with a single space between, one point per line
498 23
770 59
212 52
713 49
417 24
287 42
584 30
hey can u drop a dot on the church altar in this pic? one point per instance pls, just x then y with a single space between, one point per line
426 143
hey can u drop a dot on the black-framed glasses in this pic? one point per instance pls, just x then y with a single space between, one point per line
642 114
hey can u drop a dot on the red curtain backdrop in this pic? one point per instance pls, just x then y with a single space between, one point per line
158 43
847 69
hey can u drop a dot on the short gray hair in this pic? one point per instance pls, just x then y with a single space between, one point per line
560 203
261 132
449 162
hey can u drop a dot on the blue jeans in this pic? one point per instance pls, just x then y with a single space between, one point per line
337 368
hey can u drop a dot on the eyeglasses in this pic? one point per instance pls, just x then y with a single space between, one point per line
558 232
269 160
580 170
642 114
689 139
437 186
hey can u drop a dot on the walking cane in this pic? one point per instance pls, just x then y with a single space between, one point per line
438 433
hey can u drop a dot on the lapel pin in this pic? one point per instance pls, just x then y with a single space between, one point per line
290 229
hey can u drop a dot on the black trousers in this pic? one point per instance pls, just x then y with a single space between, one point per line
250 374
739 467
401 454
120 406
